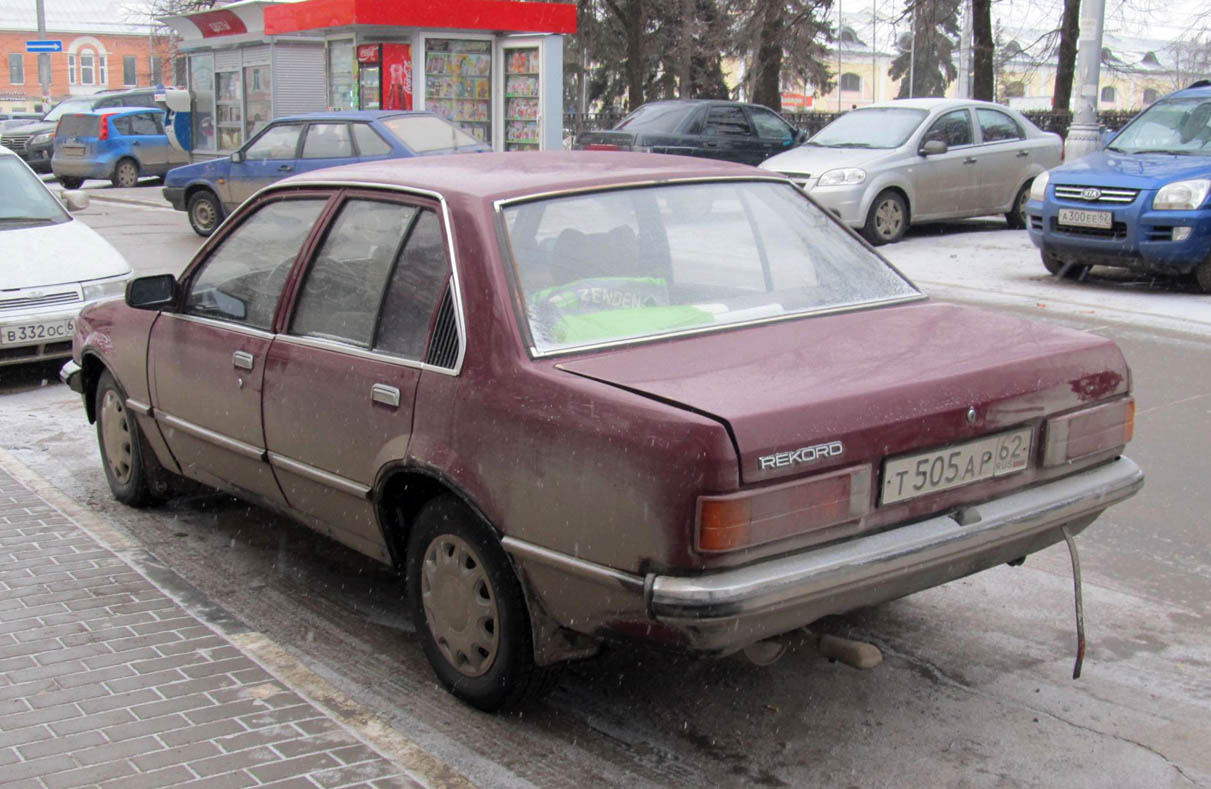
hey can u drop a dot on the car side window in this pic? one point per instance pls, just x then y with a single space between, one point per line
242 279
277 142
124 125
727 122
770 126
369 143
414 292
996 126
144 123
344 287
327 141
953 128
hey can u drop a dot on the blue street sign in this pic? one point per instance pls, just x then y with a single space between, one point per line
43 46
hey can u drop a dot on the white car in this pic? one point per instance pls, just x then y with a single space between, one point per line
51 265
883 167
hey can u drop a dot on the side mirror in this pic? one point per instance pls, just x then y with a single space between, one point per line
155 292
74 199
934 147
237 157
802 137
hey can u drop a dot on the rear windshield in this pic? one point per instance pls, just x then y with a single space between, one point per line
1180 126
79 126
428 133
877 127
655 118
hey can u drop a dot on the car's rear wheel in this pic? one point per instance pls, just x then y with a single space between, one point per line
124 455
70 182
126 173
887 219
1017 219
469 610
204 212
1059 268
1202 275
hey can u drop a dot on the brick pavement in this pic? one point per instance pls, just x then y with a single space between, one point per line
105 680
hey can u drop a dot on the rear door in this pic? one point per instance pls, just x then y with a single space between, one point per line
271 156
340 382
148 142
1004 160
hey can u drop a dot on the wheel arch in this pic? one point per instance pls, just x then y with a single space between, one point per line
91 368
889 186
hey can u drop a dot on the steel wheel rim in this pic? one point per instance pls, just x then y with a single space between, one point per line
888 219
203 214
127 175
1022 201
460 605
115 437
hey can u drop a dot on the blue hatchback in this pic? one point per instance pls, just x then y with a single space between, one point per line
1141 203
120 145
211 190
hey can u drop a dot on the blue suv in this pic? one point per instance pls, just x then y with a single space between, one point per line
1140 203
120 145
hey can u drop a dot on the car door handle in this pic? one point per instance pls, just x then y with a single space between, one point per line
387 395
1023 153
969 160
242 360
285 168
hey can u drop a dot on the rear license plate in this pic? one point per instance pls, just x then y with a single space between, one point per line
1079 217
71 150
941 469
43 331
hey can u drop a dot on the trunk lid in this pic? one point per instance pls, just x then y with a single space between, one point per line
878 382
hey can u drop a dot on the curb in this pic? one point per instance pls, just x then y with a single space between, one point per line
129 200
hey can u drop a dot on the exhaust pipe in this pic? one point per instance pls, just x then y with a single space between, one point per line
855 654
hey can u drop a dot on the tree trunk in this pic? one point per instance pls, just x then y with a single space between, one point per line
1070 30
767 85
685 50
635 20
983 80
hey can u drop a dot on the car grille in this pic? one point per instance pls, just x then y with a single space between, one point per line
801 180
14 142
1117 231
1108 194
22 302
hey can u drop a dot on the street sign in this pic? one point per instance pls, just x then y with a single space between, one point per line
44 46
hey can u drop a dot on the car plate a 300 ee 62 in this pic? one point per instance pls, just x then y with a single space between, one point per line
941 469
42 331
1079 217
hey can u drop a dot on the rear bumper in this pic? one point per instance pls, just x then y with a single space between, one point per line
721 612
81 168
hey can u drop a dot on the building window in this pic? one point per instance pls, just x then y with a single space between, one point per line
1108 95
1015 90
155 70
130 70
851 82
71 69
88 69
16 69
1151 95
102 74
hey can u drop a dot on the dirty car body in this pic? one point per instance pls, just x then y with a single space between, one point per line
581 396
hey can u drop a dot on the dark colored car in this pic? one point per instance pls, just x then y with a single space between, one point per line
118 145
728 130
580 396
211 190
34 142
1142 203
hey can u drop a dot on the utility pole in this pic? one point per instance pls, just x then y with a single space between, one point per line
43 58
1084 136
840 25
912 56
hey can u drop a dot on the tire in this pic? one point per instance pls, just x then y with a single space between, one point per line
126 173
1202 275
887 219
1059 268
125 456
205 212
1017 219
469 610
70 181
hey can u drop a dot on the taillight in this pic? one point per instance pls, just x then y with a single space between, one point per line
103 132
1088 431
742 520
58 125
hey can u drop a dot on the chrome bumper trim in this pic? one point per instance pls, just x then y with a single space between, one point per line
70 374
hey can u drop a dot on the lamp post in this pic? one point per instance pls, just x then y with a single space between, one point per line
43 58
1084 135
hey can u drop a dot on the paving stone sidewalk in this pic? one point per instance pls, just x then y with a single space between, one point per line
106 681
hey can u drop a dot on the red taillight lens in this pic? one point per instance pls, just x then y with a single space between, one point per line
602 146
103 132
1088 431
742 520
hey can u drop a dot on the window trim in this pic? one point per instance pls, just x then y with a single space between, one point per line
133 62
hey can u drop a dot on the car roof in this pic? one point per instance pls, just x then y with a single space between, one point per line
115 111
496 176
935 103
348 115
1200 89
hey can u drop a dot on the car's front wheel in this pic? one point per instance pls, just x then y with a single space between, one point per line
1059 268
124 455
1016 218
1202 275
205 213
887 219
467 605
126 173
70 182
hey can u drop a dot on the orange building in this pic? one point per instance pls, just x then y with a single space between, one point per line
103 49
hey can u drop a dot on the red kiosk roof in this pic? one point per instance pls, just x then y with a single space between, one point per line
504 15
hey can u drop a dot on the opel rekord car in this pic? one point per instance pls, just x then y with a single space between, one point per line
887 166
585 396
1142 203
51 265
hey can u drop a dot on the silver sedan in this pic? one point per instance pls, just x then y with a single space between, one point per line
885 166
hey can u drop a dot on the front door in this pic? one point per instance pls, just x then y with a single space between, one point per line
360 324
269 157
729 136
943 182
207 362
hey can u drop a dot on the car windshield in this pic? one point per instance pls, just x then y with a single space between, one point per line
428 133
655 118
1180 126
24 201
876 127
74 105
626 264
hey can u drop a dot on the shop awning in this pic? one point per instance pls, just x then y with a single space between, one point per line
512 16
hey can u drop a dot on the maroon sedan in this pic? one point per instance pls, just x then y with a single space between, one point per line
582 396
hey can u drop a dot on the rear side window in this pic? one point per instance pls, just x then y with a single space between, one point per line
425 133
327 141
996 126
143 123
416 285
79 126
